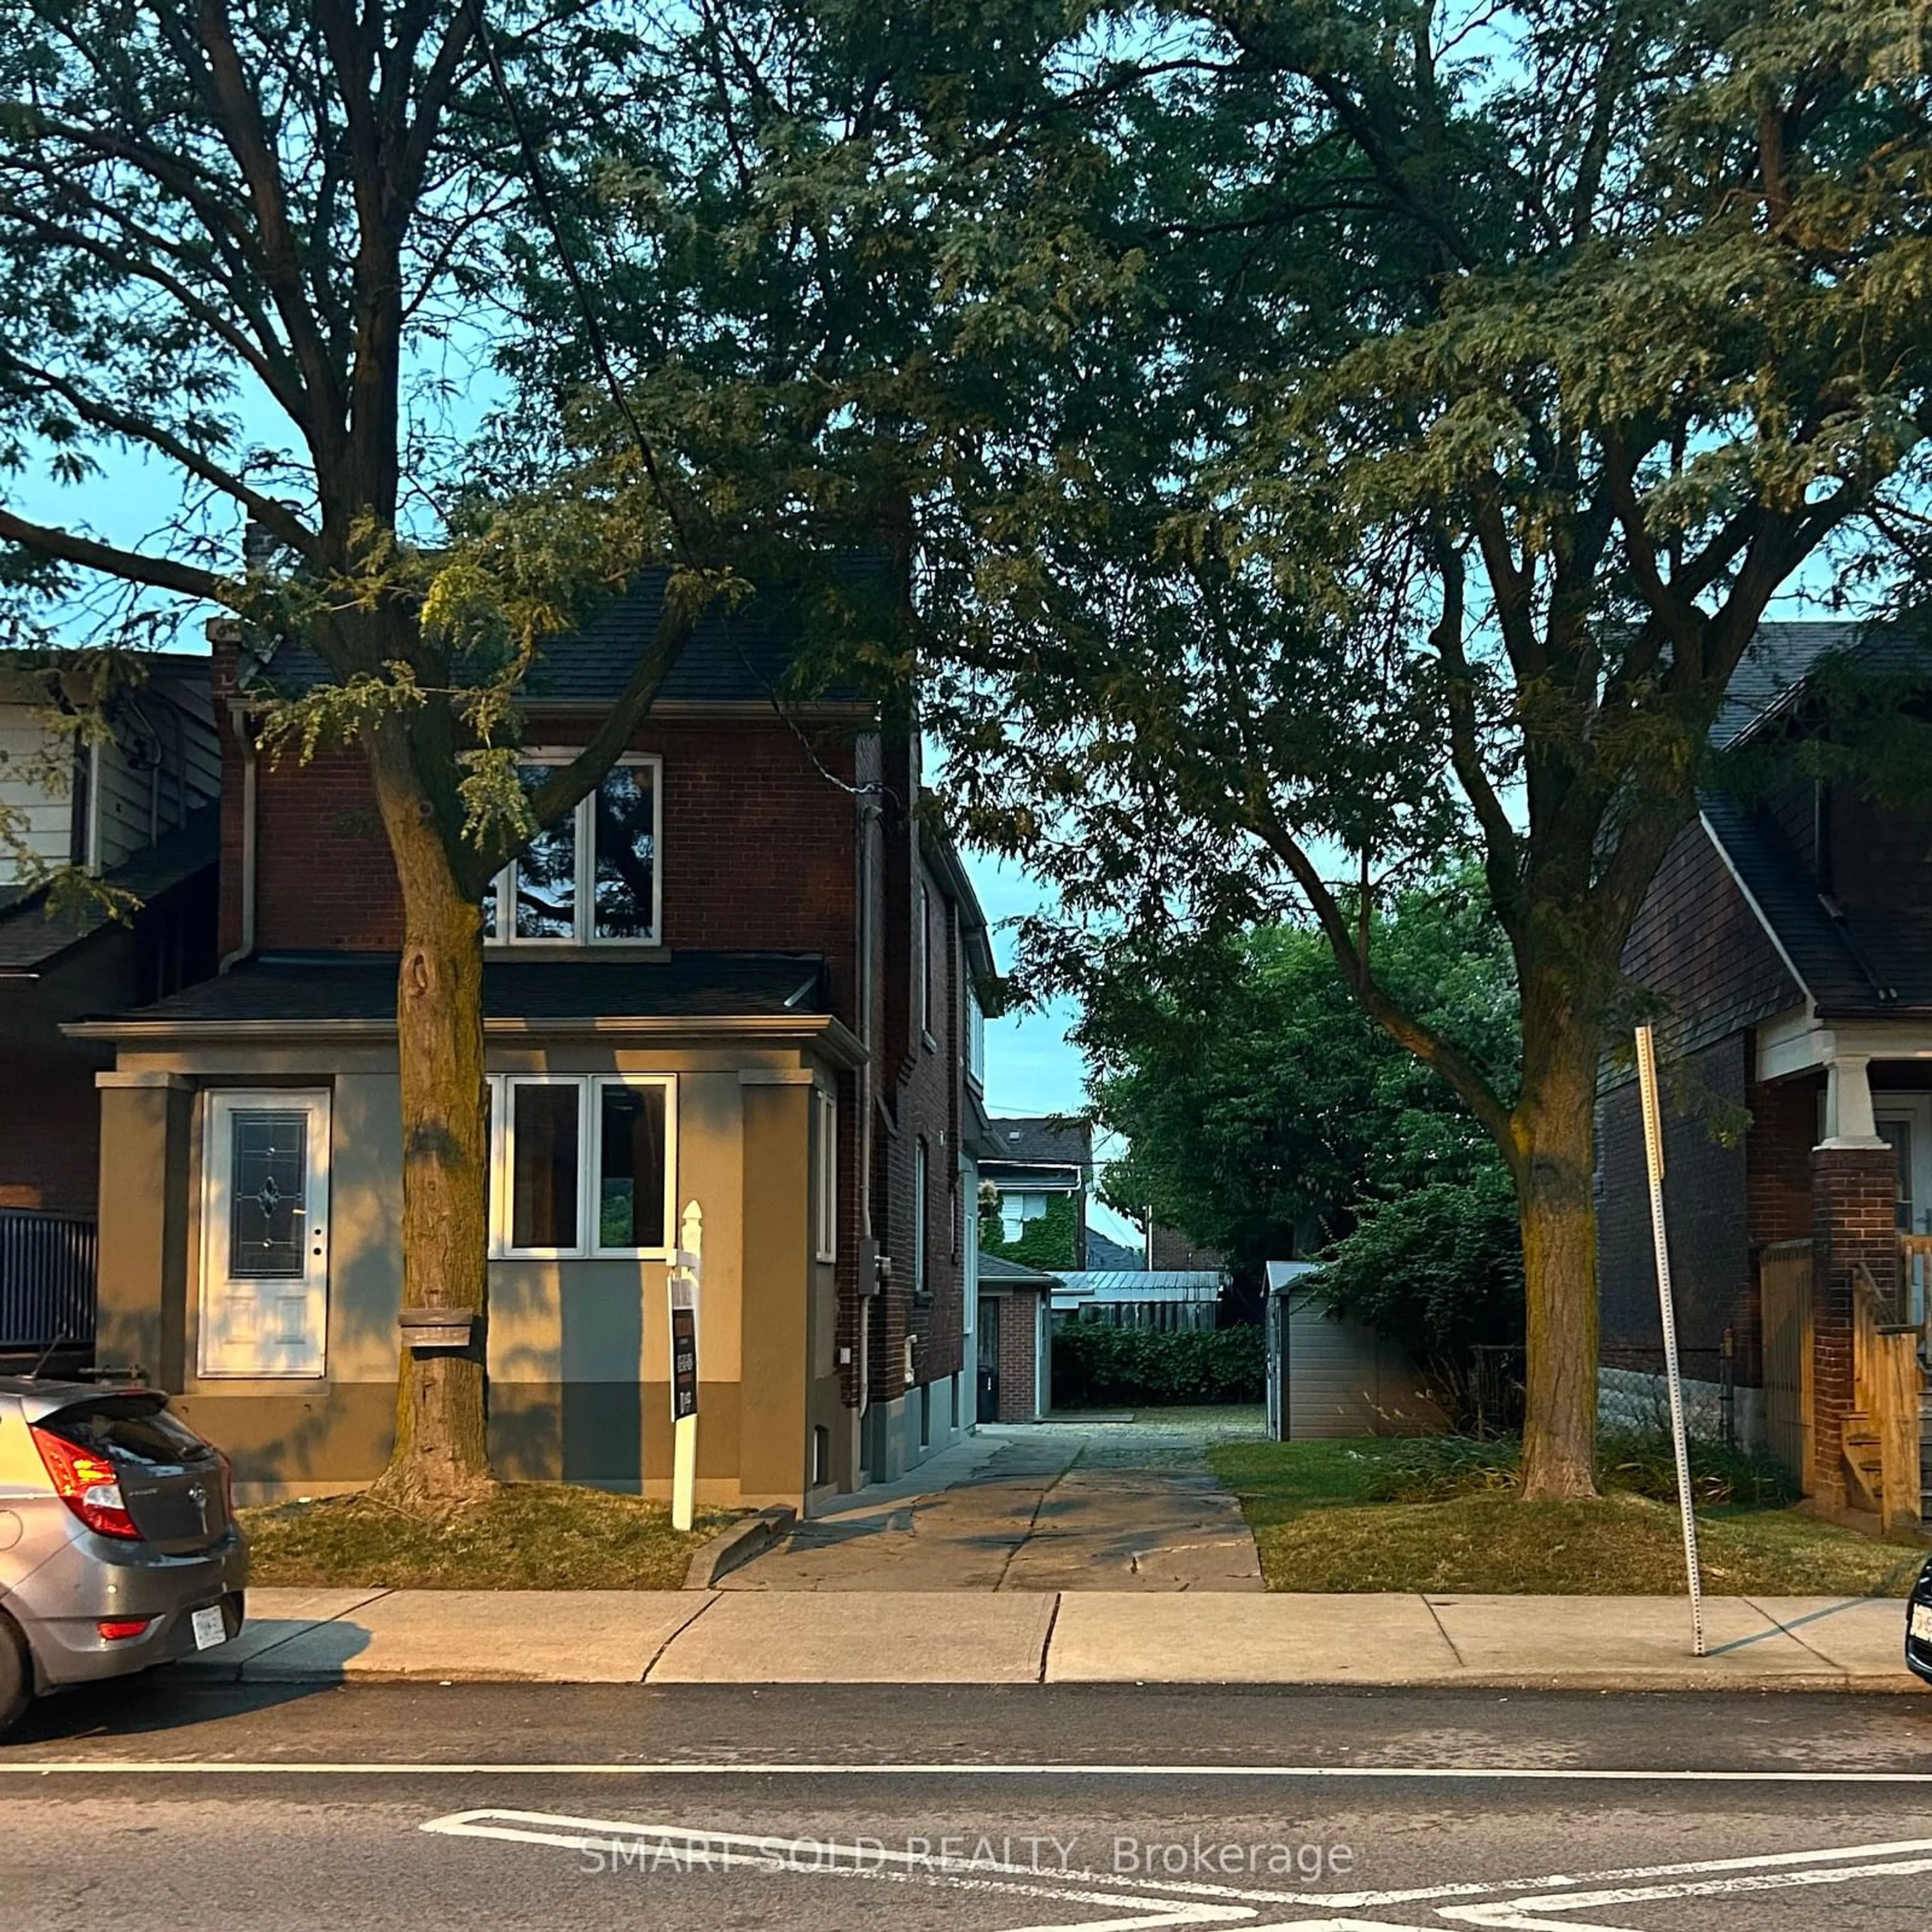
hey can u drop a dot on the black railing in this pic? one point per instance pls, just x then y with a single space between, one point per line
46 1279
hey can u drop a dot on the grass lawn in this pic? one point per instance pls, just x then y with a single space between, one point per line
530 1536
1317 1529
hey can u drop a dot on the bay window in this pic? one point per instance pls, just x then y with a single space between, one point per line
594 877
584 1165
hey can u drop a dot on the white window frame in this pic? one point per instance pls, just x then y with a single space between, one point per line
585 815
925 961
590 1113
825 1175
220 1107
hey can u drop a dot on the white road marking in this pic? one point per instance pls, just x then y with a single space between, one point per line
1520 1915
1155 1904
97 1767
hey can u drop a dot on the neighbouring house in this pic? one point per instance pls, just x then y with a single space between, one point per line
1016 1340
1789 936
741 976
1034 1180
131 805
1164 1298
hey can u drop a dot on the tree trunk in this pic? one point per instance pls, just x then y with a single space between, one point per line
1556 1147
442 1457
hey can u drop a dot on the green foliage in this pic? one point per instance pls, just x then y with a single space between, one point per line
1424 1469
1096 1365
1437 1268
1047 1243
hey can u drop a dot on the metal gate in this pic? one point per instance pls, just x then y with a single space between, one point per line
1784 1281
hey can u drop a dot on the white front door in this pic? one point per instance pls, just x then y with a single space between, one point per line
264 1226
1905 1120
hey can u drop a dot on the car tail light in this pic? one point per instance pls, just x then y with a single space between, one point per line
116 1629
88 1484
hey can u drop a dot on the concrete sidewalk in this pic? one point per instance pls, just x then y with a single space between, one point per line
1580 1643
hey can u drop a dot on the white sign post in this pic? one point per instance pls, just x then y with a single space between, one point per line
686 1276
1653 1149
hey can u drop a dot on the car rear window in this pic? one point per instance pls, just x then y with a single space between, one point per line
131 1429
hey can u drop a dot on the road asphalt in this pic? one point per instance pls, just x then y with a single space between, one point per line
187 1803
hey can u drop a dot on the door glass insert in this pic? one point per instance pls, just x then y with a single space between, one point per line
269 1175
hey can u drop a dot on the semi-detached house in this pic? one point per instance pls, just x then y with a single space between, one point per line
742 975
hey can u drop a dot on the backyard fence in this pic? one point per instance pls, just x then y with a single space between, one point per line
46 1280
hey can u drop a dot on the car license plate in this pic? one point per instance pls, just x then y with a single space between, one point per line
209 1629
1921 1622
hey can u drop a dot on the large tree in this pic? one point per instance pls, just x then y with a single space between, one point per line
259 250
1474 386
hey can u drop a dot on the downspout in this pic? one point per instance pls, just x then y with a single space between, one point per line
247 939
870 812
94 809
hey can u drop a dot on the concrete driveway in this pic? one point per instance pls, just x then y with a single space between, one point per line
1072 1504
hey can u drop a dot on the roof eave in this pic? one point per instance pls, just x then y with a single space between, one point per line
831 1036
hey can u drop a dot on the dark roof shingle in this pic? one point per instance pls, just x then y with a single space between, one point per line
294 988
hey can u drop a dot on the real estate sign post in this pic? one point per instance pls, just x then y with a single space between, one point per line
1653 1148
685 1276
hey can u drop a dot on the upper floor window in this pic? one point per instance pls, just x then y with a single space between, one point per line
825 1177
925 959
594 877
976 1040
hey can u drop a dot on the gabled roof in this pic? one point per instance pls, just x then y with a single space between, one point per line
1042 1140
744 656
1841 971
1816 941
30 940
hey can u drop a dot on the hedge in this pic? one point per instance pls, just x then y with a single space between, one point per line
1098 1365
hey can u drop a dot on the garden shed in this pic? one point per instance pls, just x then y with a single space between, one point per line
1327 1377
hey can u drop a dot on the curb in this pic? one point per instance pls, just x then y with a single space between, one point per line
738 1545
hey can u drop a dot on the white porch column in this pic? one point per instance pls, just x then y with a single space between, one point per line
1848 1103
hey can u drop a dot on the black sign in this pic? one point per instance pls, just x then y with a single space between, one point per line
683 1363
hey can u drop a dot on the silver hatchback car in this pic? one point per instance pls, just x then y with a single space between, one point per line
118 1548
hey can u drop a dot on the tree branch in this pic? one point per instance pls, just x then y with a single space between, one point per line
157 573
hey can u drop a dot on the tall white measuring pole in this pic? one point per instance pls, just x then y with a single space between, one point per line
687 1277
1653 1150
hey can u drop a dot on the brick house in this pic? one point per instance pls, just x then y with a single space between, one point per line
132 806
742 975
1789 934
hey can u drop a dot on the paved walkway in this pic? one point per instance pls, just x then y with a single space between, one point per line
1048 1507
1197 1636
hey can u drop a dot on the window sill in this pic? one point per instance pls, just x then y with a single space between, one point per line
636 952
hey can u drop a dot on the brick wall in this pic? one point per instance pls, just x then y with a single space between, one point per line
757 845
1855 1193
1019 1321
1713 1286
1778 1158
49 1129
